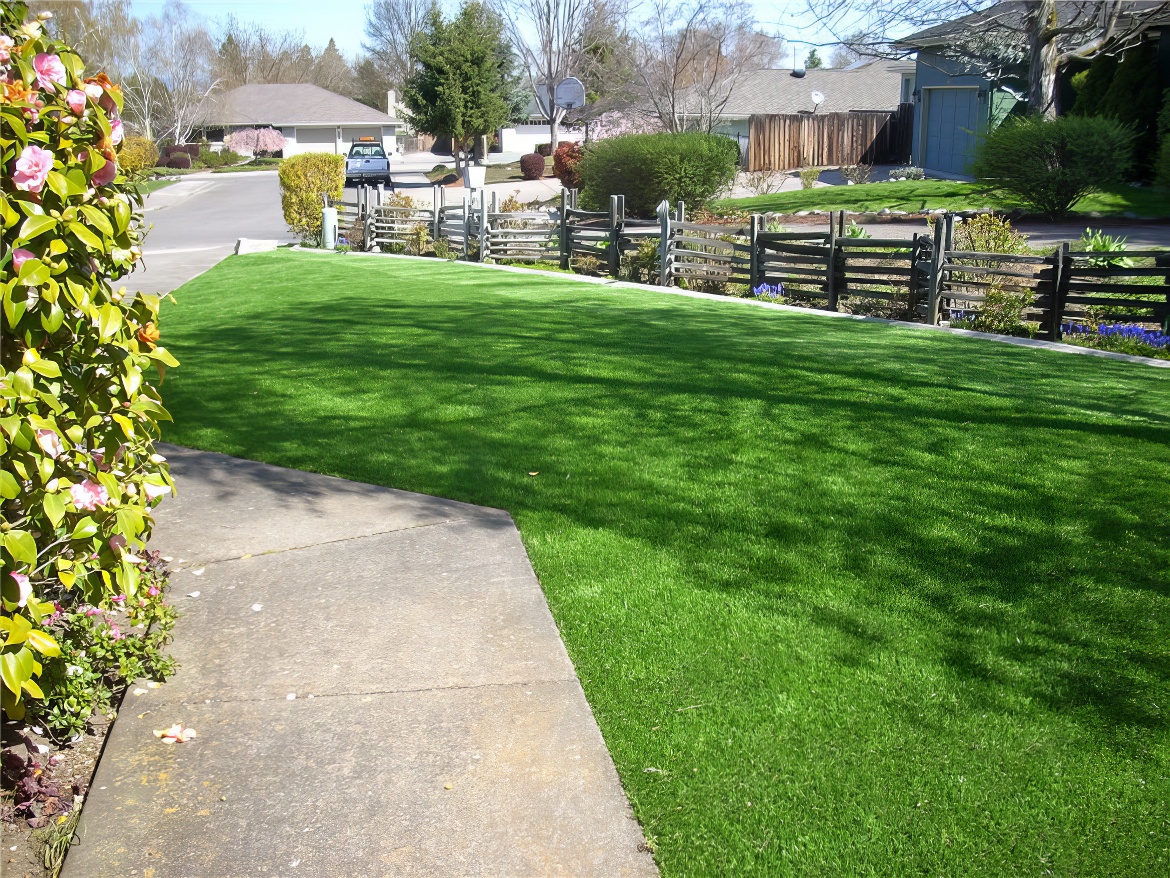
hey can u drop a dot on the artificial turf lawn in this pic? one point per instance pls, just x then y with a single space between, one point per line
916 195
846 598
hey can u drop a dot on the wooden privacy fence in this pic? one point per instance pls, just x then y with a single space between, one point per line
803 140
920 278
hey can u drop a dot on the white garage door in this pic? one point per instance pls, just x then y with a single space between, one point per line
349 135
317 136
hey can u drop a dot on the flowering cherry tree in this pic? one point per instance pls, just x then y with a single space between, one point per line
79 409
258 141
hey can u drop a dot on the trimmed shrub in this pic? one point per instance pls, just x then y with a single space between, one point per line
532 166
1051 164
808 177
137 154
179 160
79 411
566 164
304 181
648 168
544 149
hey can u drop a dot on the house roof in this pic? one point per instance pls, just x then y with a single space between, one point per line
874 86
1009 15
287 104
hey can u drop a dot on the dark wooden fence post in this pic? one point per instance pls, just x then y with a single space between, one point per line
938 259
831 267
1062 263
664 243
617 206
565 249
912 283
754 255
1164 262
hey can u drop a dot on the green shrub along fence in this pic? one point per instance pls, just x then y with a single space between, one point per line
922 278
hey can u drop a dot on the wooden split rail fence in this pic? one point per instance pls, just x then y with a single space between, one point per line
921 278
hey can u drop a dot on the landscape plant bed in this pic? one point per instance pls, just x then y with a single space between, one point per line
845 597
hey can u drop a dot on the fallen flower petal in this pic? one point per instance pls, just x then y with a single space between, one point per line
176 734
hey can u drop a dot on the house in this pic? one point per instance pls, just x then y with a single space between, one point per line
872 86
960 97
312 119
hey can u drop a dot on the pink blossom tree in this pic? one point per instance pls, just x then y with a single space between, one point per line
258 141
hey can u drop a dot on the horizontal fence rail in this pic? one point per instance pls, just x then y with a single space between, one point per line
924 277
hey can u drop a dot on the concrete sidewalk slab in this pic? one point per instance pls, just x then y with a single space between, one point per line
437 727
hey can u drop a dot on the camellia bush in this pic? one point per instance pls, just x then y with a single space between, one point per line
1051 164
305 180
79 409
257 141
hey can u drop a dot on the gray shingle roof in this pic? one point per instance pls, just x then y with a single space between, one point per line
287 104
876 86
1008 15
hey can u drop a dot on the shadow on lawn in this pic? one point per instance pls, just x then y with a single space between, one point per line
1013 503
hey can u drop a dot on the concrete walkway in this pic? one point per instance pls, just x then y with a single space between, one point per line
378 689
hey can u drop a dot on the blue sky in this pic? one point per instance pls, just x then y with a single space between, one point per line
344 19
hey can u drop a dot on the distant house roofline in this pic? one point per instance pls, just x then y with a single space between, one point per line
287 105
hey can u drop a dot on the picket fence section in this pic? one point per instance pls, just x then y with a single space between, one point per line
921 278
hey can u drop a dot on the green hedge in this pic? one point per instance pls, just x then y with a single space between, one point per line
1051 164
647 168
304 179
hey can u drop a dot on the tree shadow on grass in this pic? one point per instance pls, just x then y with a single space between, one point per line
979 491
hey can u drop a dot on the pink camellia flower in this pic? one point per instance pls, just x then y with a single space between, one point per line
88 496
153 492
25 589
117 542
116 633
116 132
50 443
118 598
32 168
104 175
49 70
76 100
153 591
6 45
19 257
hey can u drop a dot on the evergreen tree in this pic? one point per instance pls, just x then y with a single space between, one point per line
814 61
465 81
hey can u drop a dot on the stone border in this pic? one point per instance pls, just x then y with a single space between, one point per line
714 297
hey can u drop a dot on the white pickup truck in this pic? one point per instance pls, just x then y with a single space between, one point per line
367 163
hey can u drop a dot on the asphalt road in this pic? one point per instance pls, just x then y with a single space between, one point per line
195 223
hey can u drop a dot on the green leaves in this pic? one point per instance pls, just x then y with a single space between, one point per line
78 410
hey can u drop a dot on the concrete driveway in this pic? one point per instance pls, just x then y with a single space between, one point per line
195 223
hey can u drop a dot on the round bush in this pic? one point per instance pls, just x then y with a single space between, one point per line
137 154
80 410
305 180
648 168
532 166
1051 164
566 164
179 160
544 149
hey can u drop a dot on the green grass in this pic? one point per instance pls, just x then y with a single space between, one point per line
149 186
914 195
846 598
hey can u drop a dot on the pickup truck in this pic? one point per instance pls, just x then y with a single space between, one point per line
367 163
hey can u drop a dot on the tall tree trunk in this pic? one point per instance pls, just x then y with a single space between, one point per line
554 122
1042 58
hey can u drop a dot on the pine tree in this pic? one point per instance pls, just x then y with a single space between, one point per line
814 61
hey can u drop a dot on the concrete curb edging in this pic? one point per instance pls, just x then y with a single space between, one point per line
713 297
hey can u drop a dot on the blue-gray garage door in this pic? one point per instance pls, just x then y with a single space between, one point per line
952 119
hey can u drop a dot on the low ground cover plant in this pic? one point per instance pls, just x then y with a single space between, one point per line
83 361
647 168
1125 338
809 177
